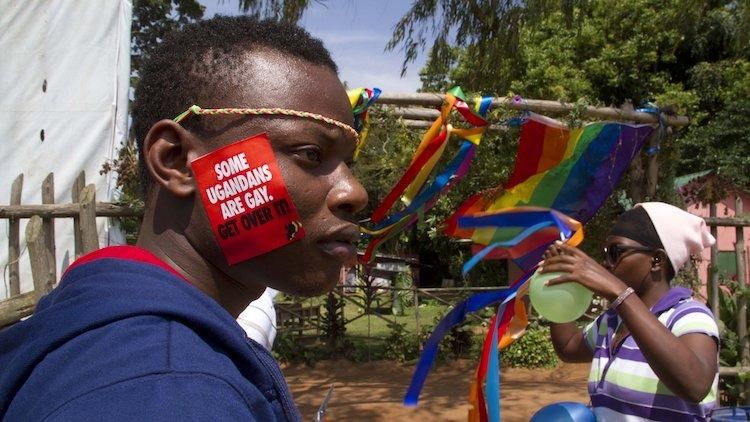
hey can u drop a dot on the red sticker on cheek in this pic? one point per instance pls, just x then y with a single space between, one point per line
244 195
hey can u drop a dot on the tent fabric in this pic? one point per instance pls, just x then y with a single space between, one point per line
65 72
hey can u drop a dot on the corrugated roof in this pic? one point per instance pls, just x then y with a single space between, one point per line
681 181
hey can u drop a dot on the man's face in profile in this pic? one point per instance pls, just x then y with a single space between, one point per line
313 158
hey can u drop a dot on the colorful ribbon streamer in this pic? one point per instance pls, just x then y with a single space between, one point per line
361 99
561 178
411 188
510 320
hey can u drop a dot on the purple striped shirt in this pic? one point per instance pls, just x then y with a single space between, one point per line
623 386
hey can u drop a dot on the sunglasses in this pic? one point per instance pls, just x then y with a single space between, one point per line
614 252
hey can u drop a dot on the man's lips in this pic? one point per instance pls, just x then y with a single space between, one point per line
341 243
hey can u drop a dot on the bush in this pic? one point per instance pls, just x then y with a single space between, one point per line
400 345
364 351
459 342
286 349
532 350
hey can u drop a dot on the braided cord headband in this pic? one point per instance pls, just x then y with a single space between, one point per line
194 109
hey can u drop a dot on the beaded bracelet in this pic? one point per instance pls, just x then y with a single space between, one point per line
624 295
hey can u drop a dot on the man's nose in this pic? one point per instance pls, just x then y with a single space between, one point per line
347 194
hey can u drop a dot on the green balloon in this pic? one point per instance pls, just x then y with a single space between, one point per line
559 303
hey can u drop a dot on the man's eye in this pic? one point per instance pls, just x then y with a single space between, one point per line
310 154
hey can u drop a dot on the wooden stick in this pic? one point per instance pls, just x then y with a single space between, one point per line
89 234
14 240
739 250
737 221
539 106
713 280
652 165
725 371
424 124
103 209
78 185
48 197
17 307
41 265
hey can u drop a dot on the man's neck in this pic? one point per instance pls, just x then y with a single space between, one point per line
175 250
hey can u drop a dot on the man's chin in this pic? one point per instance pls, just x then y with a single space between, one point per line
310 286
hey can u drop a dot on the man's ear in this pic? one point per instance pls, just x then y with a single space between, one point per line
166 150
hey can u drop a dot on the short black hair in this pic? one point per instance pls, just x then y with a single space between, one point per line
200 58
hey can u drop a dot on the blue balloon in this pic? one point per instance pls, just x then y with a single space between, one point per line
731 414
565 411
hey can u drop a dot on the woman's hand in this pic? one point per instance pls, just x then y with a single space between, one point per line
581 268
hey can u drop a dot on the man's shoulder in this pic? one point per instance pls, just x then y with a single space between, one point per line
142 355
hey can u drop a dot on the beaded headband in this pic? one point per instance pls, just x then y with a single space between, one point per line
194 109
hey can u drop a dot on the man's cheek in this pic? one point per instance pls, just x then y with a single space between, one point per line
248 204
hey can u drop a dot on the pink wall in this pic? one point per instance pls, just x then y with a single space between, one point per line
726 236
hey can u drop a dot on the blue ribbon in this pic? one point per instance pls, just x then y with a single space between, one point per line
492 382
532 220
652 108
455 316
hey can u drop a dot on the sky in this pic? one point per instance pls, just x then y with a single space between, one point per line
355 32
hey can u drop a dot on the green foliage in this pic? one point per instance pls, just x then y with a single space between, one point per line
720 140
334 325
401 345
532 350
153 19
366 351
128 185
281 10
402 298
690 57
460 342
287 349
730 353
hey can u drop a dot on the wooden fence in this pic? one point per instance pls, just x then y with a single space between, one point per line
40 238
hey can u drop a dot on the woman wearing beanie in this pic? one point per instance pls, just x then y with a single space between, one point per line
654 352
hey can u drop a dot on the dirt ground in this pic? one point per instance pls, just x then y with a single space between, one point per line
373 391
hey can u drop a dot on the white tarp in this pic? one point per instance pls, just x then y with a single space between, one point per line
64 70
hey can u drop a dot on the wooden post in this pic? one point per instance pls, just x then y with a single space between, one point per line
713 282
89 235
652 165
17 307
637 179
48 197
416 310
739 249
540 106
14 240
41 261
78 185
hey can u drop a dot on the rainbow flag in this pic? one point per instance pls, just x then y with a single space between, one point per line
561 178
572 171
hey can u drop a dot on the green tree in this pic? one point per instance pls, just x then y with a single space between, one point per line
719 139
153 19
282 10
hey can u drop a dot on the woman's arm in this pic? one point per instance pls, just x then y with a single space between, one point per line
569 344
686 364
